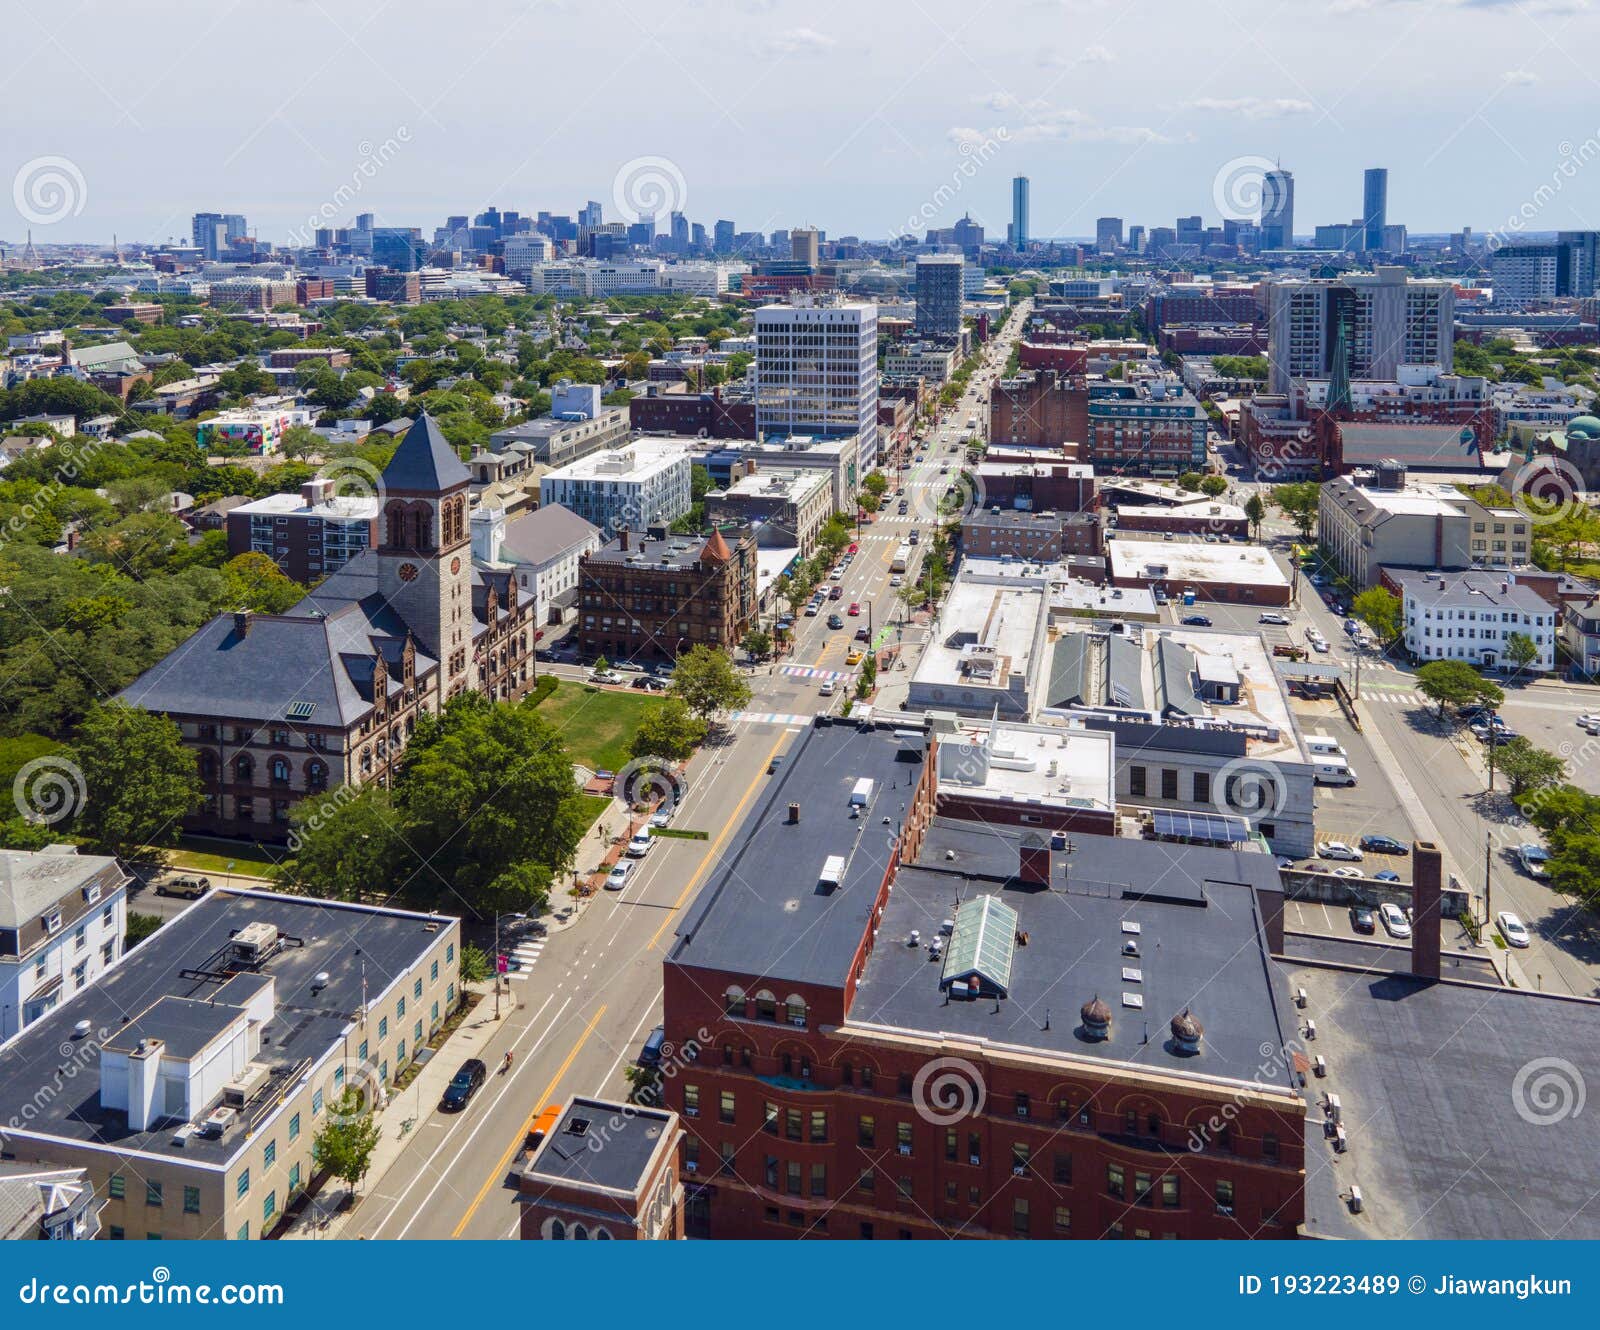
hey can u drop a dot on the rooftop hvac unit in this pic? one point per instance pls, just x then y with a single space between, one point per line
1341 1143
1356 1201
1319 1065
254 942
217 1121
1335 1109
1311 1030
1300 998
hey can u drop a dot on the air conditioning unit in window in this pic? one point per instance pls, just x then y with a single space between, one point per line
691 1167
975 1160
1224 1209
1019 1170
903 1149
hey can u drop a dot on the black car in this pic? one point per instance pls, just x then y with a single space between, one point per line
1361 919
1196 621
834 621
466 1083
1384 845
773 765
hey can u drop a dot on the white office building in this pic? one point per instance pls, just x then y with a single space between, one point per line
817 371
1472 616
633 487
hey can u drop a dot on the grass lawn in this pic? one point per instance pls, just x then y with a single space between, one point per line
594 805
596 723
205 855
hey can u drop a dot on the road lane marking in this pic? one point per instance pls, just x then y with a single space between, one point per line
516 1144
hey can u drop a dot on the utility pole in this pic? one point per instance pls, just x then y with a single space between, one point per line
1488 859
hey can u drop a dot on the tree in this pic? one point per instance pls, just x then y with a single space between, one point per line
140 926
139 780
474 964
1455 683
1214 485
344 1146
706 680
1522 650
1529 768
345 843
876 483
758 643
1255 509
1379 609
254 582
668 729
1190 480
1299 503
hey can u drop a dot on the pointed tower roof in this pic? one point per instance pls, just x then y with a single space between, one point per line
716 549
425 463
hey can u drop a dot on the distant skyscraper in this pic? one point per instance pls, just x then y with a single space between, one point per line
1108 234
1136 239
697 236
235 226
1375 205
1019 212
803 246
680 232
939 279
363 221
209 233
1277 210
590 217
722 235
398 248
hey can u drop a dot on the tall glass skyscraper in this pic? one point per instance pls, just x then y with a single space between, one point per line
1375 205
1277 210
1019 212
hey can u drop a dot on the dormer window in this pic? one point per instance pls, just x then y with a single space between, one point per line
52 922
91 893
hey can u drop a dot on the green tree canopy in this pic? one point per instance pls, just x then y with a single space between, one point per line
668 729
1455 683
1298 501
707 681
139 779
1379 609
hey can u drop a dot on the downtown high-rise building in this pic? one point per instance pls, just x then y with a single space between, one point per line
1277 210
817 371
1108 234
939 287
590 216
1019 212
1375 206
805 246
1525 274
722 237
214 232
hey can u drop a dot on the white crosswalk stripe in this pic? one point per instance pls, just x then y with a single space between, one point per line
768 718
812 672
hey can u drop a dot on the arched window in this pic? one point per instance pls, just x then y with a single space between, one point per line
602 1235
733 1001
280 770
766 1006
316 775
208 766
244 766
557 1230
795 1010
580 1233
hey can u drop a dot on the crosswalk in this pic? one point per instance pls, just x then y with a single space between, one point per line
769 718
524 956
1393 695
812 672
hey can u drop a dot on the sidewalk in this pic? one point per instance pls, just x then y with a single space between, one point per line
403 1110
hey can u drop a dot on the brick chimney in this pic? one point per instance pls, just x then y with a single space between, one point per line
622 540
1427 885
241 623
1033 860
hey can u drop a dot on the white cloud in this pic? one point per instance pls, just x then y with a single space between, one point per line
1519 77
798 41
1253 108
1095 55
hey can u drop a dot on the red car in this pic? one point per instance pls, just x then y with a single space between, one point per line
855 607
854 548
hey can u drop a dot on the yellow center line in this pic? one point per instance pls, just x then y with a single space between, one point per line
522 1134
716 845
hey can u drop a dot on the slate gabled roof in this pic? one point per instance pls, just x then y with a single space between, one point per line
425 462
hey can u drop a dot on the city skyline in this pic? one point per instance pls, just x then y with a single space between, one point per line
1060 109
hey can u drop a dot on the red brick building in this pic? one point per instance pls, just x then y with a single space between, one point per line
664 410
1039 407
1036 535
604 1171
1062 357
898 1035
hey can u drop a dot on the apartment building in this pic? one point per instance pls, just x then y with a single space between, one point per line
558 440
640 484
786 507
1472 616
816 371
63 923
308 535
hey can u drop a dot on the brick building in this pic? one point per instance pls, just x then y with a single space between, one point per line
652 595
962 1056
604 1170
308 535
1032 484
674 411
1036 536
1039 407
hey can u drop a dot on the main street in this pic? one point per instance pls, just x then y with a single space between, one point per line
588 1003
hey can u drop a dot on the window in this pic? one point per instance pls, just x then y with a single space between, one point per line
1020 1155
1063 1220
1019 1216
866 1132
316 1102
769 1118
269 1206
416 990
1202 787
433 974
1170 1195
819 1124
1141 1189
1136 781
866 1078
400 1008
152 1193
791 1177
383 1027
1116 1181
294 1178
1269 1145
819 1179
118 1187
1061 1169
903 1189
691 1101
1169 783
726 1106
242 1187
1225 1196
902 1137
791 1123
269 1154
1024 1105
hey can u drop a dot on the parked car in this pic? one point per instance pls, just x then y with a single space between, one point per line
649 684
1387 875
1533 859
773 765
1337 849
1196 621
1272 616
1512 929
662 818
640 843
1347 871
618 877
186 885
1361 919
1394 920
836 593
897 580
606 677
835 621
467 1081
1590 723
812 610
650 1054
1384 845
1319 644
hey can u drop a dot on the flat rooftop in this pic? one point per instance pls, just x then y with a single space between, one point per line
48 1090
1033 764
766 912
1201 947
598 1143
1460 1103
1193 561
985 633
1071 594
353 507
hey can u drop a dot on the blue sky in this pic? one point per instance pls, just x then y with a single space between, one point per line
859 118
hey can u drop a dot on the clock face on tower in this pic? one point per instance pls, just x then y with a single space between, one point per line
408 572
455 564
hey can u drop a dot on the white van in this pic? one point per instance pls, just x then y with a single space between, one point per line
1333 771
1324 744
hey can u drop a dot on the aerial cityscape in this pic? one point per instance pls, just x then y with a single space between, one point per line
743 669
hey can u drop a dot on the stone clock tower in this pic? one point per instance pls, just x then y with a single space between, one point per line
425 549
